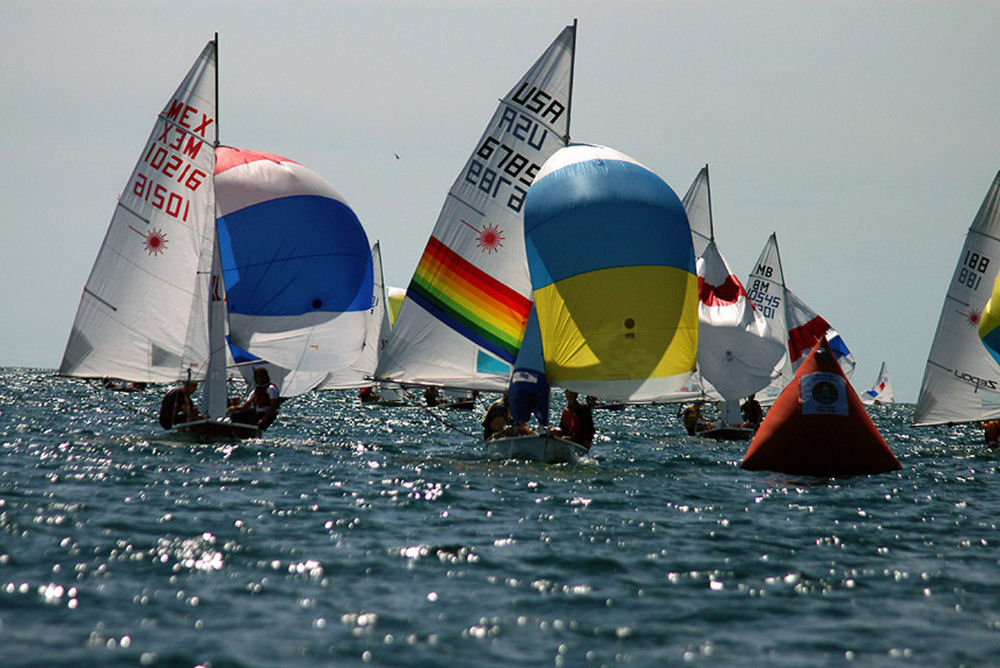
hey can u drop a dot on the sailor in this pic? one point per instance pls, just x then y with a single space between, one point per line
260 406
176 407
693 421
584 434
991 433
432 397
753 415
367 395
569 423
497 417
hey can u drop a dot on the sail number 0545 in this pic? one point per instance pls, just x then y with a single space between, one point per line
973 267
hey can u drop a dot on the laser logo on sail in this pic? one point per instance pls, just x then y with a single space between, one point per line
489 239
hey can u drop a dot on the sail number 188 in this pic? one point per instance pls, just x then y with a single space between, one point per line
973 267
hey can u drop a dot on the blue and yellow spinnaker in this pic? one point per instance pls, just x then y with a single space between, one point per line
613 277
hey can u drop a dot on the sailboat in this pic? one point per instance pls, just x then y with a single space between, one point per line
615 312
298 274
153 307
465 309
961 381
737 352
881 392
791 320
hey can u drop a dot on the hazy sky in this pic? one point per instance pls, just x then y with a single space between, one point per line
864 133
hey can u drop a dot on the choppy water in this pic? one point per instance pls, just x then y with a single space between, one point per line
355 534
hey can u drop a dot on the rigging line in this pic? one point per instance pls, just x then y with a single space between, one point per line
415 402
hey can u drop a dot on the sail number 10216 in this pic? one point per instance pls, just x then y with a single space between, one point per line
973 267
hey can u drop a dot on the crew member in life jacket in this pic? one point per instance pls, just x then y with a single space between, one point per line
261 405
176 407
991 433
693 420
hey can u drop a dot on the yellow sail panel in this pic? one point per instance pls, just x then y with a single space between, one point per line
612 333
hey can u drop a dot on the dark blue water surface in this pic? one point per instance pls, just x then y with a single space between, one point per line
358 534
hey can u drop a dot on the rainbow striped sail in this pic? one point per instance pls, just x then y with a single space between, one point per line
465 309
613 276
470 301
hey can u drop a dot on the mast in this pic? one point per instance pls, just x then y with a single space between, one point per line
572 66
215 43
213 397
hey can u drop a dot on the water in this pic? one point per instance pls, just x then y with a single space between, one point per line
357 535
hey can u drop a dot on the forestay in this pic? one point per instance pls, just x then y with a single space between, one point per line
297 268
612 272
465 309
144 311
962 378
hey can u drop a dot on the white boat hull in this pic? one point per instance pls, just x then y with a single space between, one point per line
537 447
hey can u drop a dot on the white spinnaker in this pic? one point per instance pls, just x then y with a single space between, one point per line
143 314
481 223
736 352
962 380
360 372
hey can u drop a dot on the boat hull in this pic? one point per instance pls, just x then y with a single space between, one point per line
217 429
537 447
728 434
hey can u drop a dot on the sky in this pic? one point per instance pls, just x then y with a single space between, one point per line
863 133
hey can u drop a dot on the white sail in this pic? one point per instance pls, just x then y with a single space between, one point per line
881 391
144 310
698 206
360 373
962 379
465 309
736 351
789 320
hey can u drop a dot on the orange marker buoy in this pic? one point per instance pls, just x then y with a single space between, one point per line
819 427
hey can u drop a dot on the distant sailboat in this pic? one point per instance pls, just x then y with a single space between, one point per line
737 352
615 293
298 273
881 392
153 309
465 309
961 381
789 319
